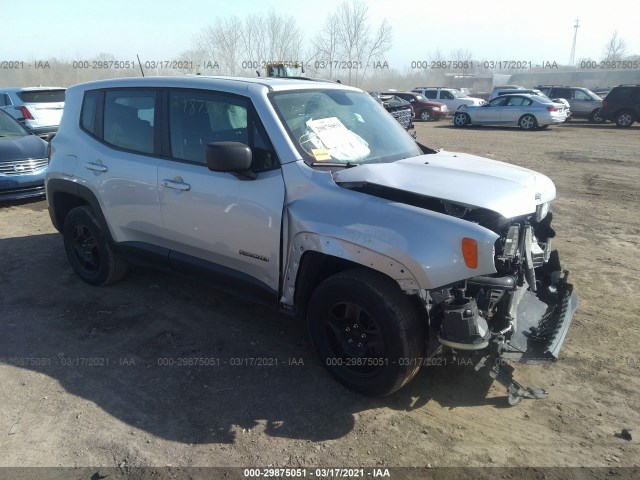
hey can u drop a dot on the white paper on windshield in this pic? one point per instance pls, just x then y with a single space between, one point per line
341 143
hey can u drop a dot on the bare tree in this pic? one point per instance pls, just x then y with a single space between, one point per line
237 45
220 43
615 48
348 41
326 44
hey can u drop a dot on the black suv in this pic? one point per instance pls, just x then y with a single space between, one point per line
622 105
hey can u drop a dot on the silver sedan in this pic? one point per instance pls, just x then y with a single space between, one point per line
526 111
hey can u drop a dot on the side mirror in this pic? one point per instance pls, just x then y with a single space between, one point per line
230 157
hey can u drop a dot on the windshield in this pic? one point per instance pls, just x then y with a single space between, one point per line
340 126
10 127
457 93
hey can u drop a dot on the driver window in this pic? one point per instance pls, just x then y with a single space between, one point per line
498 102
580 95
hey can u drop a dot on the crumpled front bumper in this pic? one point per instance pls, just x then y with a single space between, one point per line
543 318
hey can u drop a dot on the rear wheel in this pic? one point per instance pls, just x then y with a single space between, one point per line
528 122
625 119
425 115
461 120
88 249
368 333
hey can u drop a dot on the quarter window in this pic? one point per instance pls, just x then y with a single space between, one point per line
89 113
129 118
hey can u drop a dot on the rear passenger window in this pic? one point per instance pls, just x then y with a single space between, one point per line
128 120
432 94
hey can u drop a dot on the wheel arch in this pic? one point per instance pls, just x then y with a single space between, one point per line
313 257
63 196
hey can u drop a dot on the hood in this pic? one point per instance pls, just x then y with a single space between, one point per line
465 179
22 148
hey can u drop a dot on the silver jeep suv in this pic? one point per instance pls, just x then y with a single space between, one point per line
308 196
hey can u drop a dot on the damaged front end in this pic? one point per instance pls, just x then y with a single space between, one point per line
519 314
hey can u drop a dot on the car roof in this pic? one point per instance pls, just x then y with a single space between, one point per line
215 82
527 95
29 89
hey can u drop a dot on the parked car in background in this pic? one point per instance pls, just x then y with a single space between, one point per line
622 105
451 97
423 108
399 108
23 160
37 108
307 196
524 110
582 101
497 91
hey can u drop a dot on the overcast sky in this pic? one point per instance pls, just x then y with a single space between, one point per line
537 31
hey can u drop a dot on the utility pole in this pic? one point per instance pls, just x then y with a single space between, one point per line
572 58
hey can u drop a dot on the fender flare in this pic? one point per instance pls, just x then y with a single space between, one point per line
339 248
56 186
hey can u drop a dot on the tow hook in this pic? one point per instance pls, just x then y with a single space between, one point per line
503 373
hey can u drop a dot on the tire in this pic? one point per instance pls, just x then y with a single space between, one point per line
461 120
425 116
595 117
368 334
625 119
528 122
88 249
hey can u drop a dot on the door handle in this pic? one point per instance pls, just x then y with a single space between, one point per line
185 187
96 167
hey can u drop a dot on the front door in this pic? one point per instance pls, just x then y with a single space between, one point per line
217 219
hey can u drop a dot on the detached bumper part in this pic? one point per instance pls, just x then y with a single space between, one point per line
543 318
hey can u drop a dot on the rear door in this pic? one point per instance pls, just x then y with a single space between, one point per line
118 159
216 222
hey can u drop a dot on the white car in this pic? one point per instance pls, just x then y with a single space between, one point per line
451 97
37 108
528 112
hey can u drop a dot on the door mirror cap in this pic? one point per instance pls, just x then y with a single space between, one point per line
231 157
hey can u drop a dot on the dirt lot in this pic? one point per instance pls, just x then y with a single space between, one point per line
87 380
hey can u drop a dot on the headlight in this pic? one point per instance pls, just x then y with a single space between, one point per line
435 109
541 211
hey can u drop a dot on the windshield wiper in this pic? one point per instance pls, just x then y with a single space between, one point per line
334 164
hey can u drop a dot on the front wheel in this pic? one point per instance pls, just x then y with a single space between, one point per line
425 115
461 120
595 117
368 333
528 122
88 249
